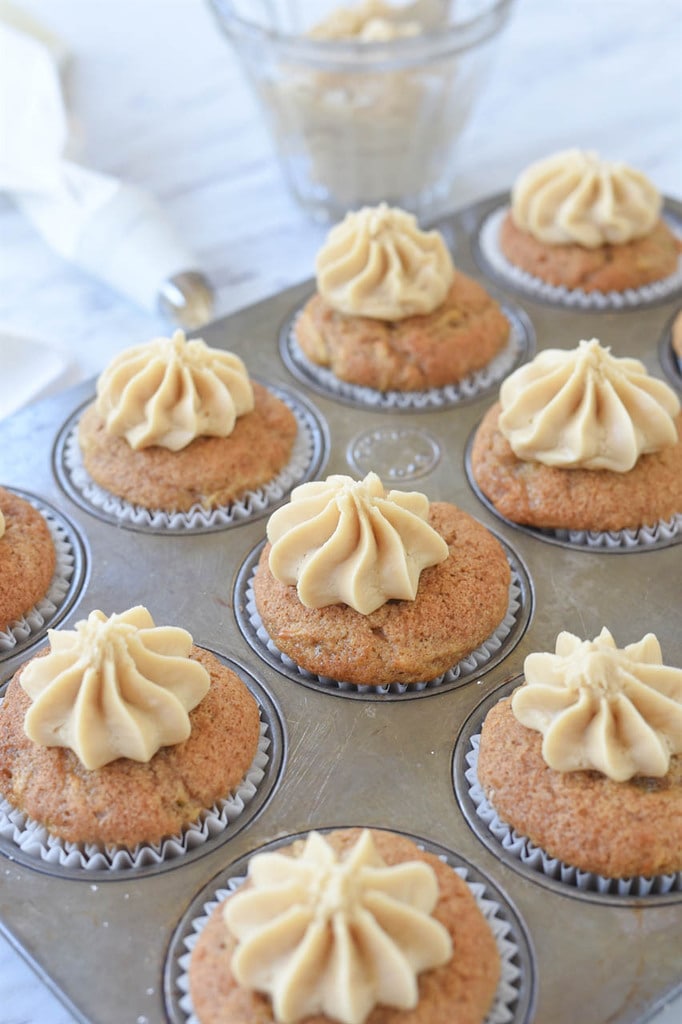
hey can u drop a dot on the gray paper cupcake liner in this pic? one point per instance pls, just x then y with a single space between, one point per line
519 347
534 857
37 844
38 619
575 298
304 463
505 1009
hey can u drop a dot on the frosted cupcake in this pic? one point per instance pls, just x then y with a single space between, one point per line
584 758
123 732
27 557
582 440
372 587
355 927
585 223
391 312
178 424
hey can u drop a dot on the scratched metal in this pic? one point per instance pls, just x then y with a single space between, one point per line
363 762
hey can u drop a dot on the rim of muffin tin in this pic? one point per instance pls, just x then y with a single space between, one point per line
519 348
253 506
494 264
463 747
270 716
512 934
70 545
470 669
600 542
668 358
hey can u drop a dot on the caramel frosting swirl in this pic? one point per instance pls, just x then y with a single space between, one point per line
616 711
335 936
371 21
586 409
170 391
574 197
113 687
378 263
345 541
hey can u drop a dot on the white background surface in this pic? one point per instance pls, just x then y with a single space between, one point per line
159 101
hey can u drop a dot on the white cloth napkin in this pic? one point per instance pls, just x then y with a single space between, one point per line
30 370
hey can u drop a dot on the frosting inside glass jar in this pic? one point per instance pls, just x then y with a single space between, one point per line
587 409
378 263
350 542
574 197
170 391
335 935
598 707
114 687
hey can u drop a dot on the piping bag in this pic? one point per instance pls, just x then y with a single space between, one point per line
113 230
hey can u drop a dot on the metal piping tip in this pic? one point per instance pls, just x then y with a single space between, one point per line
187 299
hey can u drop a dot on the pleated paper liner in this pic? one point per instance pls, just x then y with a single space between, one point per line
520 853
514 1001
489 654
66 585
27 842
492 261
520 347
308 456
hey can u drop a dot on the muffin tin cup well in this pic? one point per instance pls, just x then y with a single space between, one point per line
27 842
522 855
494 263
308 457
519 348
663 534
516 993
70 575
668 358
489 654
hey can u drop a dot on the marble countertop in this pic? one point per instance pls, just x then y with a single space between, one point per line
160 102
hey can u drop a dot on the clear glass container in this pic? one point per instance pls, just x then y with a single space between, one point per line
359 121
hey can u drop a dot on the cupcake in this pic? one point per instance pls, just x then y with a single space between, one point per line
178 424
374 588
676 338
391 312
585 223
357 926
584 758
581 440
123 732
27 557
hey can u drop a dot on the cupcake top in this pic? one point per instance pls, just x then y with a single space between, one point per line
585 408
598 707
170 391
378 263
2 524
338 936
113 687
575 197
347 541
370 22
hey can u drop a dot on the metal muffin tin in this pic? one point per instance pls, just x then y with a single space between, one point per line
387 763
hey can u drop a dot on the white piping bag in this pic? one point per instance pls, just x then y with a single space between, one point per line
112 230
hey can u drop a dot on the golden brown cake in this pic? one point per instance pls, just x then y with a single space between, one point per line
391 312
177 423
584 223
676 336
618 827
27 557
128 801
458 603
576 494
461 990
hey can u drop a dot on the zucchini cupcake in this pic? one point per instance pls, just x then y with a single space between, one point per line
27 557
123 733
582 223
391 312
374 588
356 926
582 440
584 758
